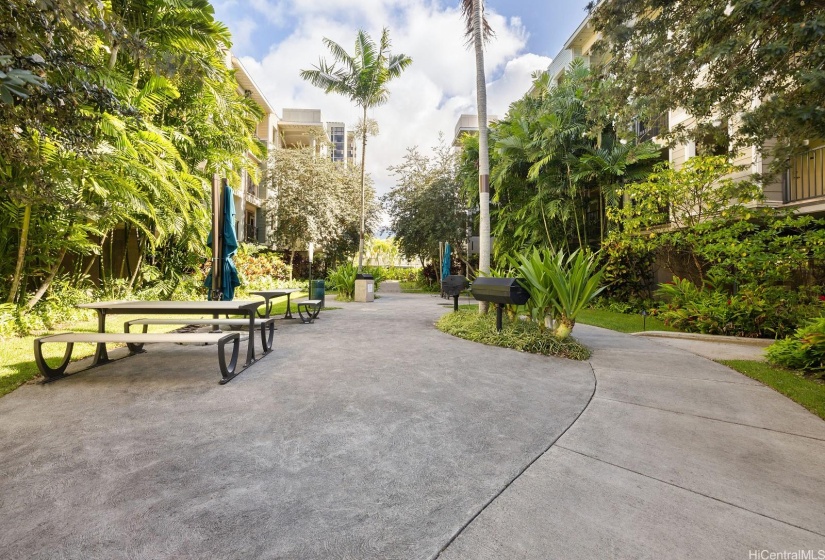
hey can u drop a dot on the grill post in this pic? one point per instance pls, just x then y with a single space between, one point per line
499 310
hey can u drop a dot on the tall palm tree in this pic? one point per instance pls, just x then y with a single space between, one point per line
363 77
478 31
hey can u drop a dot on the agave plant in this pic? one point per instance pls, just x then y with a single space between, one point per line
575 281
534 273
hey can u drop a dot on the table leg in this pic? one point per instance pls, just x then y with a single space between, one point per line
288 314
267 308
250 351
101 355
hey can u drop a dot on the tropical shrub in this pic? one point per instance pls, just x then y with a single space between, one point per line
576 281
560 284
401 274
755 310
628 261
342 279
260 269
533 270
805 350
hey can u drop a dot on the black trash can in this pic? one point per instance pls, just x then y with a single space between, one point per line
317 291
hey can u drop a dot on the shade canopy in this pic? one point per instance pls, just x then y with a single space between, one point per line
228 279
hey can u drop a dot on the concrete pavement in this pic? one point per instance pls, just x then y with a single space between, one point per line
675 457
370 434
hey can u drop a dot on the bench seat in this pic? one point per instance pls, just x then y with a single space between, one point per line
266 324
311 307
135 342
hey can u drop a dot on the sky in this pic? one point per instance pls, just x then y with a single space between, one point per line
275 39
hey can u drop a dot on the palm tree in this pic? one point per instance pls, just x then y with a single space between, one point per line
478 31
362 77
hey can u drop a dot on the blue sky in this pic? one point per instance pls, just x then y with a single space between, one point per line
548 23
275 39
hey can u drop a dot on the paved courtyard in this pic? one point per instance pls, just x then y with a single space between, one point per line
370 434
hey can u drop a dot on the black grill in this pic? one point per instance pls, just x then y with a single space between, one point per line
452 286
501 291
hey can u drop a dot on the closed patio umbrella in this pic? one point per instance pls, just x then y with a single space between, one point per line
447 262
227 246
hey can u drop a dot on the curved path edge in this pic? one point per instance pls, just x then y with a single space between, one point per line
675 456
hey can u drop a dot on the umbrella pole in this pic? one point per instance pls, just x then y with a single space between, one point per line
217 211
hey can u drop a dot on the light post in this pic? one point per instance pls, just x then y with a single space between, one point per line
311 252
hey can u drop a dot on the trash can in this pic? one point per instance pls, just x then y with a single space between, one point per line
317 291
364 288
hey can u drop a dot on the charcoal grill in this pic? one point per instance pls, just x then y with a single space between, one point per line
452 286
501 292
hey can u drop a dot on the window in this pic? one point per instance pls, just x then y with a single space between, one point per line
337 137
713 139
251 233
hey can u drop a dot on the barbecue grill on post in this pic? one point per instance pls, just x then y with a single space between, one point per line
500 291
452 286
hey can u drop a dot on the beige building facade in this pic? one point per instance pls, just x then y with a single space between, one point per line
800 187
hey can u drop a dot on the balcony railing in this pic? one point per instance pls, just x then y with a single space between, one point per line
805 178
649 130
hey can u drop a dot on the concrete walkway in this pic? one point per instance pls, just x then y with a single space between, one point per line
675 457
369 434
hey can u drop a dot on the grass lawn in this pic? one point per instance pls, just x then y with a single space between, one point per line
798 386
622 322
17 354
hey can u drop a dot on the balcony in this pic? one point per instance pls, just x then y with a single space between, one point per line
805 178
252 193
649 130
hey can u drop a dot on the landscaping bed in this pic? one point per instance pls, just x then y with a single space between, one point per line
519 335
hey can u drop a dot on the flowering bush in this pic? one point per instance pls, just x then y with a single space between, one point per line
260 270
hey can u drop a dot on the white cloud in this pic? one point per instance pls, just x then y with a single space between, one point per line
427 98
242 31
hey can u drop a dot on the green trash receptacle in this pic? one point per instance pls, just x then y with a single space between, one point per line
316 291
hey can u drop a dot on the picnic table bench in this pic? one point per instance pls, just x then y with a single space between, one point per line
311 307
266 326
135 342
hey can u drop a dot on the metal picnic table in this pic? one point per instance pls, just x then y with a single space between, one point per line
271 294
215 308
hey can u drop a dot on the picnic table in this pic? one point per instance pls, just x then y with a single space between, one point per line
271 294
215 308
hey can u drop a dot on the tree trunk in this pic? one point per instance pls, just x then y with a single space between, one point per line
137 270
291 260
363 196
113 55
125 257
21 254
47 282
483 150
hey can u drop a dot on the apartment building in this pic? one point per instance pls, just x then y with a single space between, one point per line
250 198
306 128
468 124
294 128
801 186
